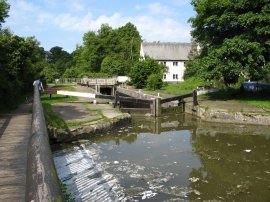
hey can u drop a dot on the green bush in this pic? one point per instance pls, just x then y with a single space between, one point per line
154 82
143 69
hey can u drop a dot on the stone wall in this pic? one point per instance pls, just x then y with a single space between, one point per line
214 115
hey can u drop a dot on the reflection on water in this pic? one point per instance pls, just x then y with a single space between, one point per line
178 158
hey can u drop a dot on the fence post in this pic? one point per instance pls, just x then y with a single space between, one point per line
195 99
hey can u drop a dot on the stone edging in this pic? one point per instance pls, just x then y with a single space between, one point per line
83 132
228 117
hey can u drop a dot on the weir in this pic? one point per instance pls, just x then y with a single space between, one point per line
85 181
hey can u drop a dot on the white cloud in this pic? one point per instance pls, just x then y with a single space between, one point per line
21 11
82 24
151 28
166 30
159 9
155 9
181 2
77 6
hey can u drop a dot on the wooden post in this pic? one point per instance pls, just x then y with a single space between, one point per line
153 108
116 99
181 104
157 107
195 99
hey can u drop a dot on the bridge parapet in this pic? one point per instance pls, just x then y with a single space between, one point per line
99 81
42 183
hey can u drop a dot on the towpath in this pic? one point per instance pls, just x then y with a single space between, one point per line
15 131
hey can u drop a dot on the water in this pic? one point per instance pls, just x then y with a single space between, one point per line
179 158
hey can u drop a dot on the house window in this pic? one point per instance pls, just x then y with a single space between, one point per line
163 62
175 76
164 76
175 63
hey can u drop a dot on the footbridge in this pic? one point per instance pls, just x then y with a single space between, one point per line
100 85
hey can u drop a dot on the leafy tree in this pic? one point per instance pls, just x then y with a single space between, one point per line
143 69
114 65
235 39
122 43
20 63
71 73
4 8
58 62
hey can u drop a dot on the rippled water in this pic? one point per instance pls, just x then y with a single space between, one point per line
179 158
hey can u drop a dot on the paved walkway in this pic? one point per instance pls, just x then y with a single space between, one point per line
15 131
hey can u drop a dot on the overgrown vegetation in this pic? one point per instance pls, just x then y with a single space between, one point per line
234 37
51 118
67 197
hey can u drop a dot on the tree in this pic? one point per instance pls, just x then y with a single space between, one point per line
59 61
141 71
235 38
4 8
20 63
114 65
122 43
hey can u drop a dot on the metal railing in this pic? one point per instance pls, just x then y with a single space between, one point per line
42 182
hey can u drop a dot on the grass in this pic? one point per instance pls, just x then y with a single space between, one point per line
45 98
254 99
184 87
66 86
51 118
66 196
261 100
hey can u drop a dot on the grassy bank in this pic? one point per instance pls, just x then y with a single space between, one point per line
45 98
261 100
52 118
182 87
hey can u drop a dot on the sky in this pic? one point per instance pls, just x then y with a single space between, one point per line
64 22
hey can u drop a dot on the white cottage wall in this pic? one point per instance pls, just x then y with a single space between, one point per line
175 72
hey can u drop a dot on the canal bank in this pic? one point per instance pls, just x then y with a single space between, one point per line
85 118
229 112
